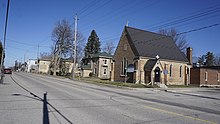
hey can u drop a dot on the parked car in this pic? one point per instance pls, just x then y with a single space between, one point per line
7 71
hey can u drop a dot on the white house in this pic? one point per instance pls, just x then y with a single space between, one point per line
31 65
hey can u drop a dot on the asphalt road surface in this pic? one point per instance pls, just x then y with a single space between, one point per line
22 101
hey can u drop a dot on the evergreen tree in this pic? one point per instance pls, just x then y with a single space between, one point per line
93 44
202 60
209 59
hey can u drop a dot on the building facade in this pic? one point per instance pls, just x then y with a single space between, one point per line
31 65
205 76
65 67
97 65
44 66
149 58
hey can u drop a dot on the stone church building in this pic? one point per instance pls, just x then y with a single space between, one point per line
146 57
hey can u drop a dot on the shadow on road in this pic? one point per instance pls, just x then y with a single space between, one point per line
45 110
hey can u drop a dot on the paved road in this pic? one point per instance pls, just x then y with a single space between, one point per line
21 102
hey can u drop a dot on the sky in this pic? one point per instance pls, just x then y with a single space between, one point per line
31 22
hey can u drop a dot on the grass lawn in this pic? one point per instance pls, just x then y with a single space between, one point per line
180 86
111 83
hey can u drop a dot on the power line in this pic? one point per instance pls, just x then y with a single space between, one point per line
27 44
95 9
21 49
181 33
122 8
183 16
198 29
182 19
208 17
86 8
126 11
202 19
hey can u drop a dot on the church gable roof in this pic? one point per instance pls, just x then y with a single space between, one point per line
149 44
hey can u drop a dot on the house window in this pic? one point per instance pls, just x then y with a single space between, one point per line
105 62
206 76
125 46
94 71
171 66
105 71
181 71
122 69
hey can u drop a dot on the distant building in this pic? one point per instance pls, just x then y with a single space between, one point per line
44 66
65 67
31 65
205 76
146 57
97 65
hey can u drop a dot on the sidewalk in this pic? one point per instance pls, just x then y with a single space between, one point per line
210 93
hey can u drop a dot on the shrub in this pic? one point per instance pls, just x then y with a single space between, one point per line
90 74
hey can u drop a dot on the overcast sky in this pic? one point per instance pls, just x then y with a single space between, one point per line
31 22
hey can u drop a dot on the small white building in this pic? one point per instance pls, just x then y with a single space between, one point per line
43 66
31 65
97 65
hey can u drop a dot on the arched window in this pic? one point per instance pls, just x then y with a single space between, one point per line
206 76
105 71
181 71
124 65
171 66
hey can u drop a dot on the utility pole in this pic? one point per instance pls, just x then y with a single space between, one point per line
5 32
74 58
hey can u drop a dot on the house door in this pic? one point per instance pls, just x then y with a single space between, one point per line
157 74
130 76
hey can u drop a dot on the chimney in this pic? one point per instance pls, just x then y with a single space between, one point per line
189 55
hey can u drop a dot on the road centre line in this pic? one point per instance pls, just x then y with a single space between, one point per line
181 115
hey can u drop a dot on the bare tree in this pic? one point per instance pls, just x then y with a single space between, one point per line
108 47
45 55
62 37
80 46
180 40
217 61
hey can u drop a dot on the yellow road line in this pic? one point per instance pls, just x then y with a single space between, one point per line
181 115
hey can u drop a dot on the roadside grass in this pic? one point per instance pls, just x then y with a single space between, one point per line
121 84
111 83
181 86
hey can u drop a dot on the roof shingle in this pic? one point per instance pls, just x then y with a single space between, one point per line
149 44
